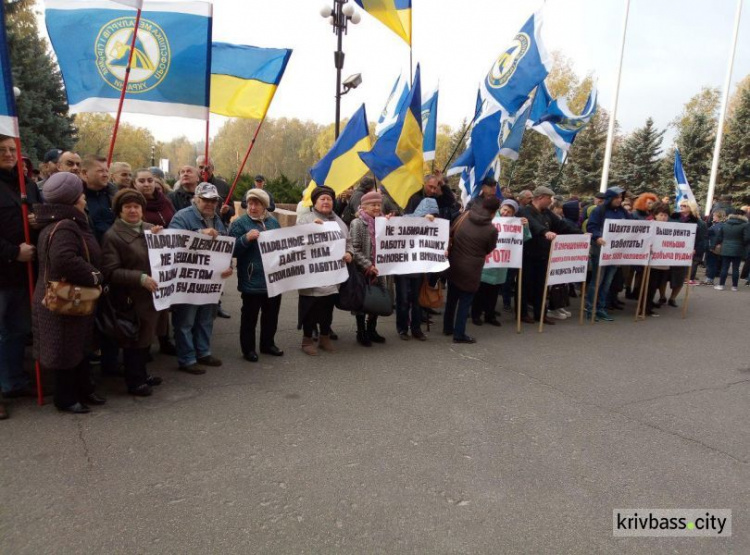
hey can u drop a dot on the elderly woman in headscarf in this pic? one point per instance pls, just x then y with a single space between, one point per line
251 278
363 252
68 251
127 270
316 303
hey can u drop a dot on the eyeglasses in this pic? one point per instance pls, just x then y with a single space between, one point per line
8 150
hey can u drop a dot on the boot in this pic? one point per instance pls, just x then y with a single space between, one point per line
324 342
308 347
362 336
374 336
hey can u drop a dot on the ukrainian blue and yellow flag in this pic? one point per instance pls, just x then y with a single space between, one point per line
397 158
394 14
342 167
170 72
8 116
245 78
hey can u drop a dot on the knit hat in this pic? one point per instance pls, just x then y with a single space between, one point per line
427 206
491 204
372 196
512 203
260 195
156 172
320 191
543 192
63 188
572 210
126 196
52 155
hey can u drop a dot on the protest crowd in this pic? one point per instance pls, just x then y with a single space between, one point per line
100 230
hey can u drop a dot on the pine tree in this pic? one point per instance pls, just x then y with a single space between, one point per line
42 106
636 164
586 156
696 143
735 153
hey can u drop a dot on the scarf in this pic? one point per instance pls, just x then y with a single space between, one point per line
370 223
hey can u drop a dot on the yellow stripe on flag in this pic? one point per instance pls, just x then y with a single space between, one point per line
345 170
241 98
403 182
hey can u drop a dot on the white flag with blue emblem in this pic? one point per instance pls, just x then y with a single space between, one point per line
683 189
555 120
389 116
171 64
429 126
8 115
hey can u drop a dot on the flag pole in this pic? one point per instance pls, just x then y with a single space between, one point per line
29 264
206 161
463 136
613 115
244 161
562 168
723 112
124 88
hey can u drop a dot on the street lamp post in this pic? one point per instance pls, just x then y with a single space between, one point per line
339 17
153 155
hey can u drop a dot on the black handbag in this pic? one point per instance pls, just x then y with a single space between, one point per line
122 325
377 300
352 292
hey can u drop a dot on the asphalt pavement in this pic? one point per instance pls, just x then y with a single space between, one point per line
517 444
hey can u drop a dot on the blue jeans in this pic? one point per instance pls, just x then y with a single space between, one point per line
15 325
457 307
735 261
605 282
408 311
193 326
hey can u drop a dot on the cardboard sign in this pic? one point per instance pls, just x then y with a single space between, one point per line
626 243
303 256
509 250
673 244
188 266
569 259
411 245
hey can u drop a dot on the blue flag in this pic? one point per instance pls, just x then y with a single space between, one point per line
682 189
171 67
8 115
429 125
513 134
394 104
554 119
519 69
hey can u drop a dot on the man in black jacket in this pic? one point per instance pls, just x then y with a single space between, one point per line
544 227
435 187
15 253
207 174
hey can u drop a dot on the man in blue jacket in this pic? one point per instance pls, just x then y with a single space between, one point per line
194 324
610 209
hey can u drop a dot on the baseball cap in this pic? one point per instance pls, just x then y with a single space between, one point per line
259 178
207 191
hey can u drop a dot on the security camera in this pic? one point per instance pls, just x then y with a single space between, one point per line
353 81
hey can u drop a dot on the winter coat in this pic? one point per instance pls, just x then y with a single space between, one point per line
350 212
124 261
13 274
99 209
362 253
181 199
540 223
603 212
159 210
308 218
222 187
701 232
250 274
713 235
62 342
734 236
473 238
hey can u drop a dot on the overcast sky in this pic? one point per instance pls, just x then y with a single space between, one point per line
674 47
